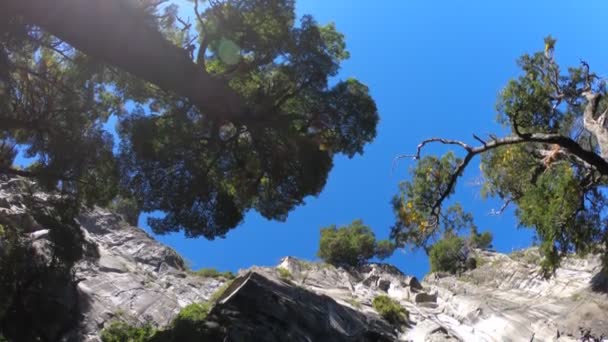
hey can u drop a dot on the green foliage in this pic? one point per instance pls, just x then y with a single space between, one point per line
384 249
188 326
214 273
556 196
570 216
480 240
448 255
56 103
418 219
351 245
204 170
193 312
206 174
390 309
220 291
557 191
123 332
189 322
284 273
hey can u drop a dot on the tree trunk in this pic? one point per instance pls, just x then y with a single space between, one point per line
597 126
116 32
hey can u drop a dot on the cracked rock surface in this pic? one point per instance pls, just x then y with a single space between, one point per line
136 278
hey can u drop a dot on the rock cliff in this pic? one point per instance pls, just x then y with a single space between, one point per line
137 279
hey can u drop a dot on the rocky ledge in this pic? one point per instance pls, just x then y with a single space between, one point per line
137 279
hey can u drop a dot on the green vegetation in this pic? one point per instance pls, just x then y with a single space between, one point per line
284 273
480 240
220 291
351 245
123 332
187 326
257 117
254 126
189 321
193 312
384 249
448 255
390 309
453 253
552 166
253 123
214 273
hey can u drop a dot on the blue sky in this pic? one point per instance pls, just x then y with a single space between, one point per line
435 69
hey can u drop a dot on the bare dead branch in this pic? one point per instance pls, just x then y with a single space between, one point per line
479 139
502 208
202 49
425 142
587 75
186 24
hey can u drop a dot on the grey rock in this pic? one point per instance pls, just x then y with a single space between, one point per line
128 275
135 277
425 298
261 307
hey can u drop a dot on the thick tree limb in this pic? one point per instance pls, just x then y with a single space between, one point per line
116 32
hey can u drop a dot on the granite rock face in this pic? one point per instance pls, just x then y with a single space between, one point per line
506 299
260 306
133 277
137 279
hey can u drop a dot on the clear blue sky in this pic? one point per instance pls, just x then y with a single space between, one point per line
434 69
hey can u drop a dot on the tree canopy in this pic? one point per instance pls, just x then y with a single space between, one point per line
552 166
237 111
240 110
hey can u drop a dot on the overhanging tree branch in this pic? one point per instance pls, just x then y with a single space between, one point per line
117 34
564 142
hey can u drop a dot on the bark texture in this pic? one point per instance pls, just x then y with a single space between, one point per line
116 32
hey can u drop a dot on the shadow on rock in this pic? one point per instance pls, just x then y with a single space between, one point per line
599 282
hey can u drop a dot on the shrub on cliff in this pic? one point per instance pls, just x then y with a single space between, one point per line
214 273
480 240
189 322
448 255
123 332
384 249
188 326
351 245
390 309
